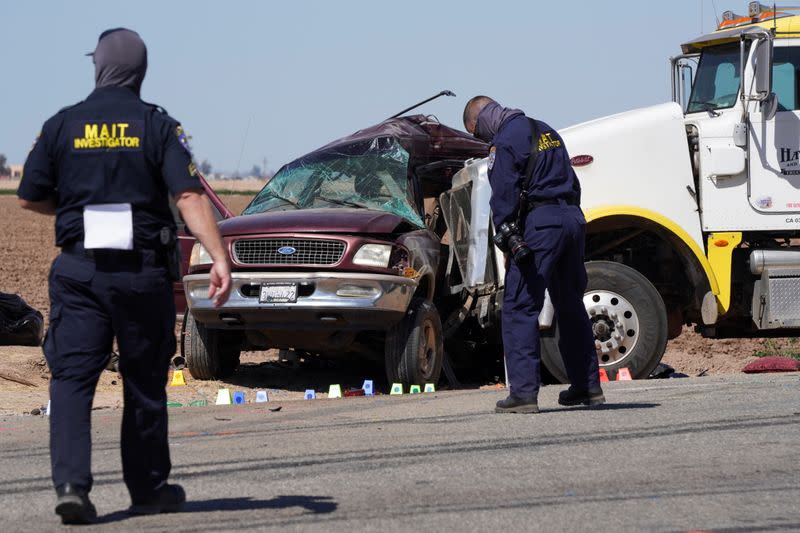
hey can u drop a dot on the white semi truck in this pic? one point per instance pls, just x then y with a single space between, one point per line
692 207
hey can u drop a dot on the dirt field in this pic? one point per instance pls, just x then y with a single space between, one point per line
28 249
248 185
240 186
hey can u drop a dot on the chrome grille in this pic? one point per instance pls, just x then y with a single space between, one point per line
308 251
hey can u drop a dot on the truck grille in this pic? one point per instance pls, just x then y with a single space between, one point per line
307 251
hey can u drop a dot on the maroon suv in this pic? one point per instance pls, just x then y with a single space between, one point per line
186 241
337 255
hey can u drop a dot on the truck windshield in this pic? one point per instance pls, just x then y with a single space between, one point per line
716 85
370 174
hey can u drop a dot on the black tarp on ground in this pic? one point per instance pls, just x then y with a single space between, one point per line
20 324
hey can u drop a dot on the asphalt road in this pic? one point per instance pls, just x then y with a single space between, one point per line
716 454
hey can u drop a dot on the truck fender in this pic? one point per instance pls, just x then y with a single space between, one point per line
703 274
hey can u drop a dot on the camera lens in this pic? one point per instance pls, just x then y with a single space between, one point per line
519 248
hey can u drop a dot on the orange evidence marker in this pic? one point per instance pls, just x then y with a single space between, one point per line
623 374
603 375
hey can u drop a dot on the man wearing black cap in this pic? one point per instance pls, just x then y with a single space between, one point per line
535 208
106 168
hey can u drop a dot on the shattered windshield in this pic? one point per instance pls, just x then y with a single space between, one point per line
370 174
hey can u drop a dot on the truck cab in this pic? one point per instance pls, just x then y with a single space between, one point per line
692 206
743 125
744 131
700 196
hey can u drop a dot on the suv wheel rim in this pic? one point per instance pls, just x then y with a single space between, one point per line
427 348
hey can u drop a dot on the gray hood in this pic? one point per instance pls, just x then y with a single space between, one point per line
120 60
491 118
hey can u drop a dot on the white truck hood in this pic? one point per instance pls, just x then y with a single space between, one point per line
640 166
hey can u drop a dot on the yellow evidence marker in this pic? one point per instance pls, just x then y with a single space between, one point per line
177 379
415 389
335 391
430 387
397 388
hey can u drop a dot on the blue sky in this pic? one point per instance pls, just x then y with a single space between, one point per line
259 79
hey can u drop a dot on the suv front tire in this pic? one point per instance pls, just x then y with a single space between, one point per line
414 347
209 353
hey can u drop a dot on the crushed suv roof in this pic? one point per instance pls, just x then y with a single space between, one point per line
422 136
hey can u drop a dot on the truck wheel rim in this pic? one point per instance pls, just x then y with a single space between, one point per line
615 326
426 349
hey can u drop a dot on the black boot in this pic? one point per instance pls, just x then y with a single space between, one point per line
73 505
512 404
167 499
575 396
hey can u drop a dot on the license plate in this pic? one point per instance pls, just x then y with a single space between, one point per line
278 294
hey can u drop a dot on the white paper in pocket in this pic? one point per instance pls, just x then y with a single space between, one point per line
108 226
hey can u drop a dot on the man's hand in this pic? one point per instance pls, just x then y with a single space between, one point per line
220 282
196 212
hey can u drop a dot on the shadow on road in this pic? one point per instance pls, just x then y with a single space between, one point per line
605 407
315 374
312 504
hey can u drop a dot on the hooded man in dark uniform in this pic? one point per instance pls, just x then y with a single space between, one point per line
106 168
536 202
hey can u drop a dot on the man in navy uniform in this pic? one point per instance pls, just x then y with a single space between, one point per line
105 168
535 199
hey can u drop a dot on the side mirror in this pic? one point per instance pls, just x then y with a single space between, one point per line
763 60
769 106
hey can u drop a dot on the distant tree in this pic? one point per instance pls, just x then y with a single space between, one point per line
4 170
255 171
205 167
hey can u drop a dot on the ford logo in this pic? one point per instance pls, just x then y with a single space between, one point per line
287 250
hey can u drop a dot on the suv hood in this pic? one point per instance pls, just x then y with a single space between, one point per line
338 220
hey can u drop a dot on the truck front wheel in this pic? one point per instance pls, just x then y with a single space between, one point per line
414 347
628 318
209 353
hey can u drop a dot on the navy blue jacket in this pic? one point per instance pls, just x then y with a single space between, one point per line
110 148
553 176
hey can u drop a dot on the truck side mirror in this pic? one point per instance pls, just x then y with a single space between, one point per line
769 106
763 57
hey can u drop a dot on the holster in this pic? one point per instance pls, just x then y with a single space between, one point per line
172 252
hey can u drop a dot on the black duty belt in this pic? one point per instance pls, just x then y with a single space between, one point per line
534 203
151 256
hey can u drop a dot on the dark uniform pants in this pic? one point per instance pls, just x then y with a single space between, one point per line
93 299
555 234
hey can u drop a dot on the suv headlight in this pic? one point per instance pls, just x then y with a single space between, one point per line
374 255
200 256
